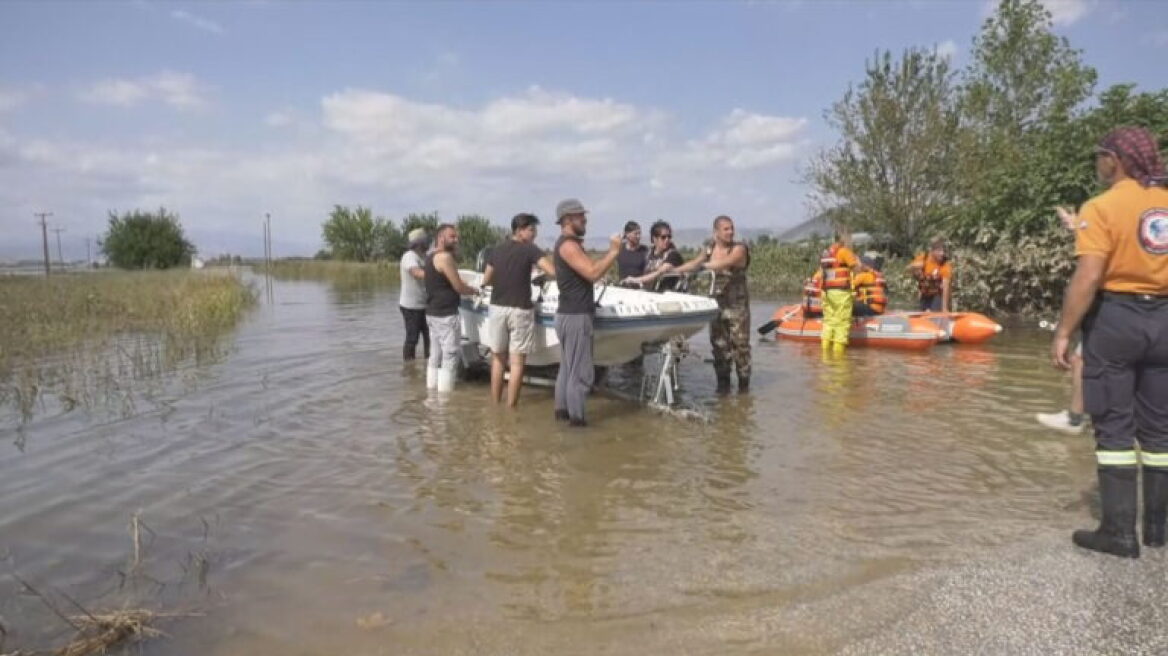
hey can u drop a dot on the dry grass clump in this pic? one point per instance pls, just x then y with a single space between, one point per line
336 271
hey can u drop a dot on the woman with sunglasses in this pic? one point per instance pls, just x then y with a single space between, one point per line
662 257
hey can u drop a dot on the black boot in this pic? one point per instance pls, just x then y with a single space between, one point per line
743 384
562 415
1116 534
1155 505
723 382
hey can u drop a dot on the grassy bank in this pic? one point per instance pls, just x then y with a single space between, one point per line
335 271
66 336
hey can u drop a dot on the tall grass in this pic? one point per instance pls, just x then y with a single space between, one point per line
338 272
67 335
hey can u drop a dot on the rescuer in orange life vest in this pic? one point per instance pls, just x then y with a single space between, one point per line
871 291
933 272
836 265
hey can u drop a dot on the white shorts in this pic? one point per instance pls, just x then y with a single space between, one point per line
509 330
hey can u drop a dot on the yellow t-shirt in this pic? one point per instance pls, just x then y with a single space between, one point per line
1128 225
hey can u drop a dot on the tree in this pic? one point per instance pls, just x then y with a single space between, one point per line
142 240
890 172
352 234
1020 149
476 233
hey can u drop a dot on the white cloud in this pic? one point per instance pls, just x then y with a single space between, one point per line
179 90
1062 12
12 98
279 119
519 152
1067 12
198 22
947 49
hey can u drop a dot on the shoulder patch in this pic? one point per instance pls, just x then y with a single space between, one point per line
1153 231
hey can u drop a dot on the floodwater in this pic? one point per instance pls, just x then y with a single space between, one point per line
304 495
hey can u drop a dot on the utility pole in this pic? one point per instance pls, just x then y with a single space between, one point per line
88 259
268 238
60 258
44 236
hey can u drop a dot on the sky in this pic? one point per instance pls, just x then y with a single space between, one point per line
225 111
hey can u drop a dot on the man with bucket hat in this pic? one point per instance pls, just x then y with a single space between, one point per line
575 275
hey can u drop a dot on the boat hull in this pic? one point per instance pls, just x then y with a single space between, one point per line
884 331
625 320
961 327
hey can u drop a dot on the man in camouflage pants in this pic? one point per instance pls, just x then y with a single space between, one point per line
730 330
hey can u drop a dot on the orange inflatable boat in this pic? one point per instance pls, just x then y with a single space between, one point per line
897 331
961 327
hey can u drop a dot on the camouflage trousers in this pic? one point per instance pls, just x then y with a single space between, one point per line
730 339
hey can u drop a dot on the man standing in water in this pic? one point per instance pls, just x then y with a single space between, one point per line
575 274
837 264
730 330
1119 293
511 321
412 296
444 287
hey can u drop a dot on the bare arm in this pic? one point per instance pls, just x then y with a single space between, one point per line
444 263
946 286
417 273
488 274
545 265
1078 299
651 276
576 258
694 264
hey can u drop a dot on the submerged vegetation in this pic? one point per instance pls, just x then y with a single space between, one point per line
74 337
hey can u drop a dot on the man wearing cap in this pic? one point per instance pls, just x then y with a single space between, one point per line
412 295
1119 293
511 319
631 261
575 274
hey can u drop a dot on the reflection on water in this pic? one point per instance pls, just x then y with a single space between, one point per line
326 504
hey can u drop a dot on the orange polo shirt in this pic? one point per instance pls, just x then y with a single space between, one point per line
1128 225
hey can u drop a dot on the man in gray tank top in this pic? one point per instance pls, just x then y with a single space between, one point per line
575 274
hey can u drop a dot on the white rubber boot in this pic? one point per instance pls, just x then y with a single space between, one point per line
445 380
432 377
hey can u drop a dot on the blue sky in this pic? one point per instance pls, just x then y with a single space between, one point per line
222 111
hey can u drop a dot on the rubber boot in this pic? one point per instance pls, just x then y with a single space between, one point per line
723 382
562 415
1155 505
1116 534
445 380
743 384
431 377
838 348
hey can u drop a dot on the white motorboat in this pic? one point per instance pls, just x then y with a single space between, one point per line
626 319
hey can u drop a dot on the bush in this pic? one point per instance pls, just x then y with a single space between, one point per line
141 240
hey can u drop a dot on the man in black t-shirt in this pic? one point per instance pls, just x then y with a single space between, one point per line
660 261
510 326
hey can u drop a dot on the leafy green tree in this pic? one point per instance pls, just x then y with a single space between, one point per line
144 240
352 234
476 233
1021 151
890 173
427 221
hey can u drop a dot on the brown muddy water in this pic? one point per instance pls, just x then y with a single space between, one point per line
304 495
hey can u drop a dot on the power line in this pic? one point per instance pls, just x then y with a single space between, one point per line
44 235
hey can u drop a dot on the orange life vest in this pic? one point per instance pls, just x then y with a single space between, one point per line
835 274
812 297
929 282
874 294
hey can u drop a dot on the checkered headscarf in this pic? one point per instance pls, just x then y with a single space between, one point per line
1137 149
